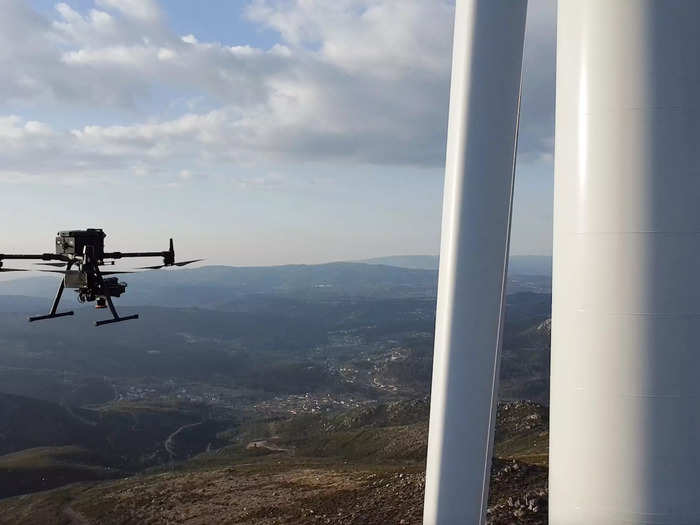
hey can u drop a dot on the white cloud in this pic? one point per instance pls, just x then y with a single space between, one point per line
383 35
166 54
14 127
350 81
536 141
133 56
146 10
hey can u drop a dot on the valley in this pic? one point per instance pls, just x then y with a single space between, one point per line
281 377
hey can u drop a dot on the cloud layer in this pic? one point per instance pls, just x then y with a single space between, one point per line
356 81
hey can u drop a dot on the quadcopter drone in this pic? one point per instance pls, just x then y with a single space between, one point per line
84 250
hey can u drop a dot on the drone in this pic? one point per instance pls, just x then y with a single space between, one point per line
84 251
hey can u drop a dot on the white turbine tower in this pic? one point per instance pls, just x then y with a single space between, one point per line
625 421
484 104
625 418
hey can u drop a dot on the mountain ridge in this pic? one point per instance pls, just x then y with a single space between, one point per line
517 265
211 285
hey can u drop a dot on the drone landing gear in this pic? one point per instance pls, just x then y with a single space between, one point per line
110 304
54 307
116 319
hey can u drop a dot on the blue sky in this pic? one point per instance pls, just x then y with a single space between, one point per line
255 132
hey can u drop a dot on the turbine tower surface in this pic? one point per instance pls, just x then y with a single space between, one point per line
484 105
625 423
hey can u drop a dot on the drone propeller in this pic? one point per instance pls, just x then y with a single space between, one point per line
62 264
64 272
55 265
12 270
159 266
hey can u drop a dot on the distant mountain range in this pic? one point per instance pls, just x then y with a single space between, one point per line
518 264
416 262
212 286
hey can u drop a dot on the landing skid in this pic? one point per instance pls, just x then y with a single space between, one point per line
112 309
49 316
116 320
52 314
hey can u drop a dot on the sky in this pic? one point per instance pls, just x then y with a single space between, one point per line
254 132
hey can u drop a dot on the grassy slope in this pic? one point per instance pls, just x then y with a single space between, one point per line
48 467
47 445
38 423
365 466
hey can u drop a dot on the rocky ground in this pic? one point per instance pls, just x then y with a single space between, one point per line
293 495
518 493
361 482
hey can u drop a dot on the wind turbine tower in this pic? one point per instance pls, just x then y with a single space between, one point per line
625 380
625 385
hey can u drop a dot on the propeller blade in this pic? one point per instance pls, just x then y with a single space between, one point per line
159 266
55 265
185 263
12 270
64 271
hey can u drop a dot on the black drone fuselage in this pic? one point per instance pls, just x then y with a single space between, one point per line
81 253
85 252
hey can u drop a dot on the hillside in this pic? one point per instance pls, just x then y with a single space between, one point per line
298 388
259 342
362 467
517 264
416 262
210 286
38 423
214 286
48 467
45 445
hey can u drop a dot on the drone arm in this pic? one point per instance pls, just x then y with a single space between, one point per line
124 255
168 256
40 257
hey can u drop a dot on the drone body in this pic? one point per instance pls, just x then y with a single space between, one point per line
81 253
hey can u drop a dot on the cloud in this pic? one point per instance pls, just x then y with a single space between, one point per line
146 10
14 128
536 141
378 37
353 81
22 138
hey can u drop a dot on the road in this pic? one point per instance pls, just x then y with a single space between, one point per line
169 442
